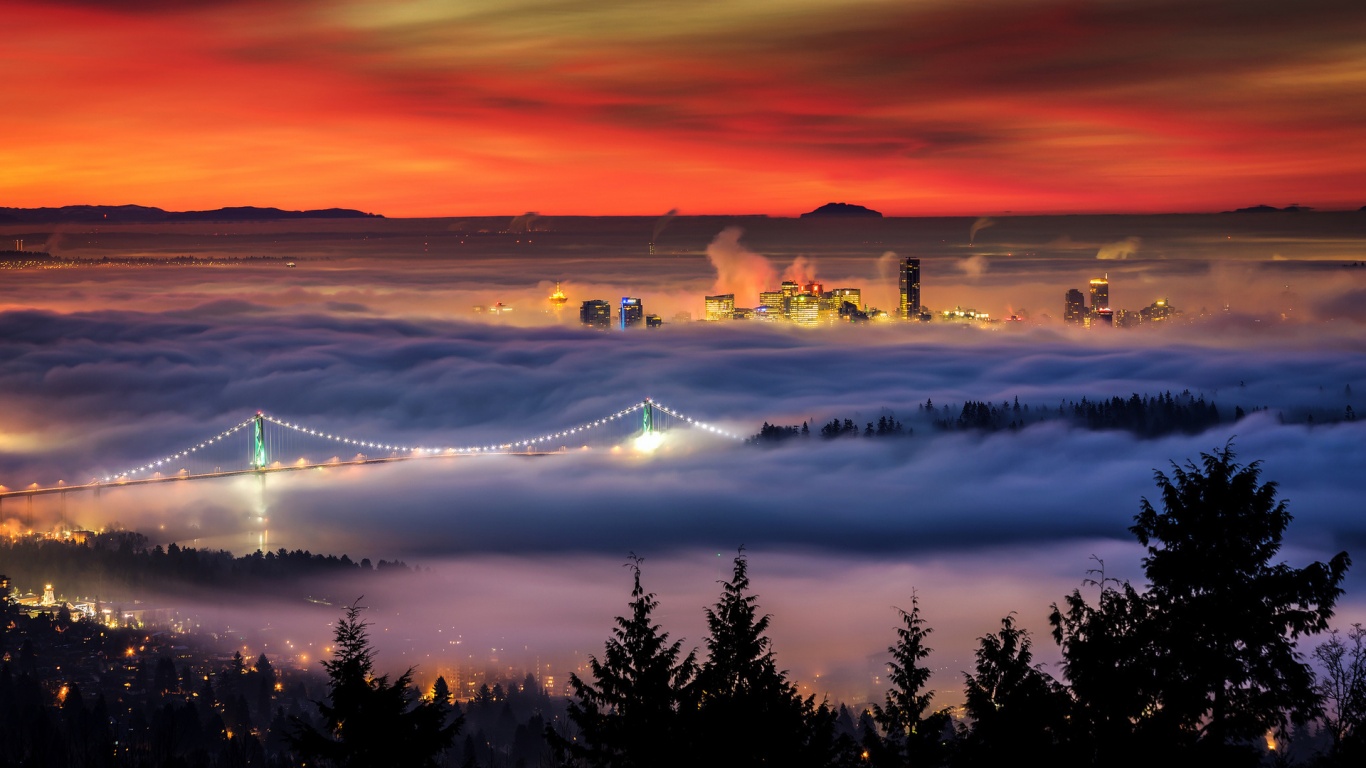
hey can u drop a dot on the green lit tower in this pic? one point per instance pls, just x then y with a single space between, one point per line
258 451
647 418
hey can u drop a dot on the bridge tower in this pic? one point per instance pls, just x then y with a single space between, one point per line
647 418
258 450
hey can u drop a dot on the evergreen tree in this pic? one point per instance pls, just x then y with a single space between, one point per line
369 721
631 714
1203 664
1109 659
1228 615
910 736
749 712
1015 707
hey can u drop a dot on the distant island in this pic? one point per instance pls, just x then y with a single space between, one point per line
92 214
1292 208
842 211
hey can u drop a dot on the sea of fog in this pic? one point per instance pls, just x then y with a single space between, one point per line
374 332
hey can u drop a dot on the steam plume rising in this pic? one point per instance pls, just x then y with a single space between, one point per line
974 266
738 270
1120 250
801 271
663 223
522 224
978 226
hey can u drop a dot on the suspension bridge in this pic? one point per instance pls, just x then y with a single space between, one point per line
265 444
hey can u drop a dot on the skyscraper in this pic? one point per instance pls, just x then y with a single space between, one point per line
909 308
1074 307
632 312
1100 293
596 313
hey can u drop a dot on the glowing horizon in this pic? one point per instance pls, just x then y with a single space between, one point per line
420 109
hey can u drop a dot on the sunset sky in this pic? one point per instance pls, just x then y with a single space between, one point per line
428 108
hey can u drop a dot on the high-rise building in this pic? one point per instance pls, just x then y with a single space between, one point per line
773 300
721 307
596 313
804 309
909 308
1100 293
1074 307
632 312
654 321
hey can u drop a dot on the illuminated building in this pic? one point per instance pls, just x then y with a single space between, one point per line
632 312
1100 293
804 309
960 315
720 307
49 599
596 314
909 308
1158 311
742 313
558 298
774 300
653 321
790 289
1102 318
852 295
1074 307
813 288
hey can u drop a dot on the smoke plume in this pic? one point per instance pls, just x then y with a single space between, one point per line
663 223
978 226
1120 250
801 271
522 224
739 270
974 266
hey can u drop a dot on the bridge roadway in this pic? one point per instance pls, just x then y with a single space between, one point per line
98 486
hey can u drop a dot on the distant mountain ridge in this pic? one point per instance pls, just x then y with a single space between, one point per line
89 214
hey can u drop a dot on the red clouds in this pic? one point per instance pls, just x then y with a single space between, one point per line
418 108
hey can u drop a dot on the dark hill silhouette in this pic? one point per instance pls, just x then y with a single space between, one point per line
842 210
82 214
1292 208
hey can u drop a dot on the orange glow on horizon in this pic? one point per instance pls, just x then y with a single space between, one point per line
416 109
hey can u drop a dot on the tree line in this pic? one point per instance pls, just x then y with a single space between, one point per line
1198 668
110 564
1141 415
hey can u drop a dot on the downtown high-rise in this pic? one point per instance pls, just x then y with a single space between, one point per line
909 308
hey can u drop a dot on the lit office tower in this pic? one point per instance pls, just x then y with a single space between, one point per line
596 314
1100 293
1074 307
910 290
632 312
804 309
721 307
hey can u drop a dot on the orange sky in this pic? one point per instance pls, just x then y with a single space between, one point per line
433 107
